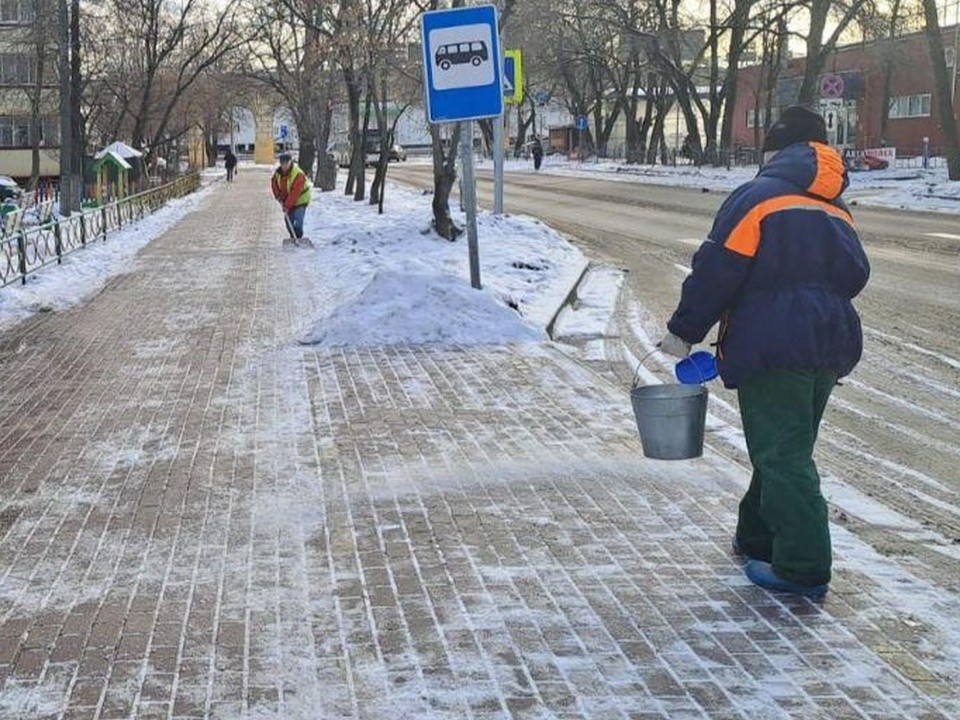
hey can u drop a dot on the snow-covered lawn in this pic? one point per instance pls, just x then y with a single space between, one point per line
386 279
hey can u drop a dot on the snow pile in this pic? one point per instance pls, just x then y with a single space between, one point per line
420 308
385 279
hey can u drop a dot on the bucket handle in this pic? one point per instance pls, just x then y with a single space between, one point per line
636 374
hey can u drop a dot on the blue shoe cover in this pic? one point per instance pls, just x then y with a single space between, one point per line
761 573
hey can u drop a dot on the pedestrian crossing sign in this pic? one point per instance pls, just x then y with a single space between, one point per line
512 77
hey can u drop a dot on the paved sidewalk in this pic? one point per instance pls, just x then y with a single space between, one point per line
200 518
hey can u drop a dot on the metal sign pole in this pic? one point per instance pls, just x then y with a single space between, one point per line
498 165
469 200
498 143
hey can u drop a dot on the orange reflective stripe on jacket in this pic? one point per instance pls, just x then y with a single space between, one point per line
745 237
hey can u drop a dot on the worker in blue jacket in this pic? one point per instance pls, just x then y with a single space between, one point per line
778 272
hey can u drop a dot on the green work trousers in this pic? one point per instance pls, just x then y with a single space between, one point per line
783 516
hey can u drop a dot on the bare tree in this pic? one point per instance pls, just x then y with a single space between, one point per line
291 41
943 90
159 51
389 25
42 28
820 47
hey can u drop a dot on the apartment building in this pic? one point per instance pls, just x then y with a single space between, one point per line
23 79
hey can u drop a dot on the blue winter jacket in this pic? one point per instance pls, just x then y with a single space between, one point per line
779 270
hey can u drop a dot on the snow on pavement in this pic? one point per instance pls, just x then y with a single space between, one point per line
480 535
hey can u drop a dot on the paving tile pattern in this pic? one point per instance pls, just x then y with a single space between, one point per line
200 518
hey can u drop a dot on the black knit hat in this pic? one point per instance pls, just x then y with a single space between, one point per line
285 157
797 123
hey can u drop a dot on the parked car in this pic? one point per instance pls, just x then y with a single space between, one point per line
339 152
863 161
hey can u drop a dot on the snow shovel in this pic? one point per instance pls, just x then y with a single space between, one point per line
293 240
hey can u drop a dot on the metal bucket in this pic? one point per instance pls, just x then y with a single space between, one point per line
671 420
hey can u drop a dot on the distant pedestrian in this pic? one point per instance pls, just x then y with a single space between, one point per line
537 152
230 163
778 271
291 187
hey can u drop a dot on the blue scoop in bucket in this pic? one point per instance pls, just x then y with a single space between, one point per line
697 368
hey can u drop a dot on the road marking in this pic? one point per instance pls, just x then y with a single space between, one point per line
690 241
945 236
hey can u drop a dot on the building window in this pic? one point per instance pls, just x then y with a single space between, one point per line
15 132
17 69
16 12
910 106
50 132
757 117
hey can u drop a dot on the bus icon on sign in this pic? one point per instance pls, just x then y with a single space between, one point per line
474 53
461 56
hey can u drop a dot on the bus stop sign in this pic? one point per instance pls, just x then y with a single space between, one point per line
461 64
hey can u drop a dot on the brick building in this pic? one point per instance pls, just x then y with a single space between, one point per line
851 94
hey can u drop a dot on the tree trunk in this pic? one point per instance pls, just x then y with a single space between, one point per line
888 62
656 134
819 49
76 92
631 138
444 176
711 121
325 166
693 129
378 96
210 140
35 119
308 151
815 58
356 142
486 132
360 158
654 102
66 127
522 126
730 88
942 89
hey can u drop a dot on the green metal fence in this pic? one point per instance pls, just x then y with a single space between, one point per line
32 248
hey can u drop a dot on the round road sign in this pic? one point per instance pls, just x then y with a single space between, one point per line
831 86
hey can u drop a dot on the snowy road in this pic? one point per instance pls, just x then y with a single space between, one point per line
889 450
